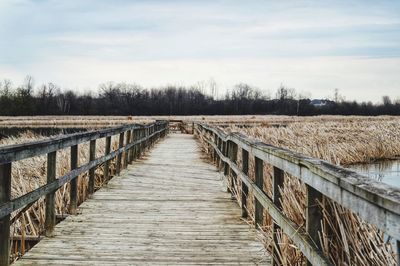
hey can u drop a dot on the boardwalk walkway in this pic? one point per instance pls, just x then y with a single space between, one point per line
168 208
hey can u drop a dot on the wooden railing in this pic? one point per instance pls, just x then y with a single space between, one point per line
375 202
137 139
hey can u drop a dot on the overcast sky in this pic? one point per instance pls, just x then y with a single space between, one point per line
312 46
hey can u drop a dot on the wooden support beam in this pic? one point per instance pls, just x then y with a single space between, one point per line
107 163
119 157
92 156
277 182
245 189
313 215
225 150
50 219
73 193
215 157
136 147
5 196
132 150
233 148
259 182
127 153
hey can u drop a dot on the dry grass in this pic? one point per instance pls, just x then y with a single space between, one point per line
347 240
105 121
340 142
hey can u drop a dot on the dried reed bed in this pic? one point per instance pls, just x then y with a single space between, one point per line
346 239
341 142
224 120
29 174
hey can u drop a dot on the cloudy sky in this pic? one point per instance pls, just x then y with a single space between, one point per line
313 46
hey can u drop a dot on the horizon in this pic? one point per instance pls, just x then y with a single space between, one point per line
306 45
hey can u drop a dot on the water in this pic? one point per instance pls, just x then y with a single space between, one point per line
387 171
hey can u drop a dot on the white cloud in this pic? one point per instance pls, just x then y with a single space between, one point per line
310 45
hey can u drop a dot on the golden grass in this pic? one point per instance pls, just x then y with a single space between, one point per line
347 239
104 121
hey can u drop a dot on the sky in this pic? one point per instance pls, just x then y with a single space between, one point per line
312 46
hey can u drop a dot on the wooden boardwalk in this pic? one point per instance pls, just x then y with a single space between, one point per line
168 208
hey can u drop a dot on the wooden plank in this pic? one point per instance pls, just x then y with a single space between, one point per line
168 208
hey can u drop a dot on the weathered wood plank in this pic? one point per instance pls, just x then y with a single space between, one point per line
168 208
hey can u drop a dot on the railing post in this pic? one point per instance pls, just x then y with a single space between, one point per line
398 252
313 215
73 192
5 196
277 181
50 219
150 138
147 138
141 131
215 159
259 175
142 144
107 163
92 156
233 157
225 151
132 149
220 149
127 152
245 189
135 148
139 146
119 156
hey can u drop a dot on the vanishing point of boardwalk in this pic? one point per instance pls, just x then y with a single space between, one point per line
167 208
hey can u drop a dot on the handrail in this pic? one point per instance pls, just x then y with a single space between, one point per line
137 139
375 202
22 151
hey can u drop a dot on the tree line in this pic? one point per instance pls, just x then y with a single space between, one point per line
132 99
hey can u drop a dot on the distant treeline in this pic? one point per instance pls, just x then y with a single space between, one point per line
128 99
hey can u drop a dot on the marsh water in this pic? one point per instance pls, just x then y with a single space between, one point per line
387 171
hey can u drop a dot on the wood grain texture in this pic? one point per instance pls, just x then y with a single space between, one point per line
168 208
